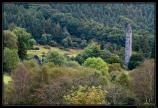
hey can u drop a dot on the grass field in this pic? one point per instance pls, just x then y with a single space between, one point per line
6 79
44 51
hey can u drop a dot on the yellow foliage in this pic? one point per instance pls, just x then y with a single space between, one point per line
87 95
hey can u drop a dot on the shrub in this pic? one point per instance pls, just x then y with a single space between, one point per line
72 64
115 67
67 42
142 82
53 92
53 43
11 59
34 68
56 57
10 39
9 94
135 60
92 50
123 80
114 59
98 64
86 95
117 94
32 42
21 83
105 54
114 71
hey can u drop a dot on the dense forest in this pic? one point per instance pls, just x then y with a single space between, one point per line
39 67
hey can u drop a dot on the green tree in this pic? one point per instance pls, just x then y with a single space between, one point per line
23 41
115 67
92 50
44 39
123 80
98 64
114 71
105 54
135 60
56 57
114 59
58 36
32 42
10 39
11 59
67 42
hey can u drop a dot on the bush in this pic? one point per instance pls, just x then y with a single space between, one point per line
105 54
92 50
43 39
123 80
56 57
72 64
10 39
21 83
53 43
98 64
117 95
9 94
115 70
115 67
11 59
142 82
114 59
83 43
135 60
86 95
53 92
32 42
67 42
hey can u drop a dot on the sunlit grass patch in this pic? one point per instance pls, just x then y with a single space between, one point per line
44 51
6 79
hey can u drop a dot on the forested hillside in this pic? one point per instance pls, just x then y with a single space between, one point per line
71 53
70 25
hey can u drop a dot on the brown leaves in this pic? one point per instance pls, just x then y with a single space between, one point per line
142 82
21 81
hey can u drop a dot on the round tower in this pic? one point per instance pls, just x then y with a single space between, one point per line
128 44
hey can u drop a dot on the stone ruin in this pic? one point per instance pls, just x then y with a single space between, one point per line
36 58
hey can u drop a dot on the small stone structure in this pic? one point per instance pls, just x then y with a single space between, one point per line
36 58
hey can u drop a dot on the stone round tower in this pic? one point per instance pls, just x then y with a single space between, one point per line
128 44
